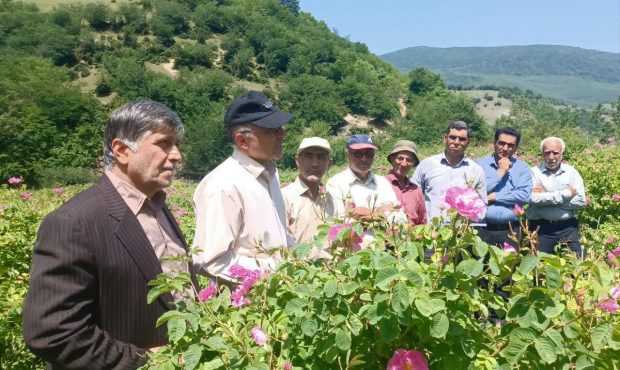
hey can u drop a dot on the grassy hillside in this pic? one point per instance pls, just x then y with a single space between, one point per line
574 75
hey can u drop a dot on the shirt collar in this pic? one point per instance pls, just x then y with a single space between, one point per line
494 162
133 197
544 169
253 167
464 161
352 178
301 186
394 180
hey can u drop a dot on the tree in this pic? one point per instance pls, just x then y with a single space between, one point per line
291 5
423 81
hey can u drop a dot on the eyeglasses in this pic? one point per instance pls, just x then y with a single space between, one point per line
502 144
461 139
367 154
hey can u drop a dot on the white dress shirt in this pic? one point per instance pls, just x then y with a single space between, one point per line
556 202
345 185
239 214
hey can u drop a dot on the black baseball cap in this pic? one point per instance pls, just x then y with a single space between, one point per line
254 107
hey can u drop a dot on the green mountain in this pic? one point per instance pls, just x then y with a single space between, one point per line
573 75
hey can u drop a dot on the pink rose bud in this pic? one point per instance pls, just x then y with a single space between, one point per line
509 248
259 336
518 211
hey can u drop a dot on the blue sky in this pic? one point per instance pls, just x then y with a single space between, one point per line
390 25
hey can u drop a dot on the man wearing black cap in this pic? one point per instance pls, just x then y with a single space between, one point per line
239 208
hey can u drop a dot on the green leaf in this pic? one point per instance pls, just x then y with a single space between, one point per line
546 349
554 311
414 277
343 339
176 329
400 297
554 279
216 343
515 350
428 307
303 290
295 307
600 335
440 325
389 329
528 263
309 326
347 288
212 365
355 325
385 261
556 337
385 277
330 288
302 250
166 317
192 356
471 267
155 292
524 334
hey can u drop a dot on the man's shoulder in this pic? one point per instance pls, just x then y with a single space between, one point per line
339 177
225 175
84 205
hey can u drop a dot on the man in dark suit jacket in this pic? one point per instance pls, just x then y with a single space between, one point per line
86 307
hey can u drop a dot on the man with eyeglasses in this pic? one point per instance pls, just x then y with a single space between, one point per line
358 190
449 169
557 194
240 211
508 183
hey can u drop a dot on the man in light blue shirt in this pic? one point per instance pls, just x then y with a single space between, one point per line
448 169
557 194
508 183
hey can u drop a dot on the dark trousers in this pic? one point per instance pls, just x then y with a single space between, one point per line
498 234
552 233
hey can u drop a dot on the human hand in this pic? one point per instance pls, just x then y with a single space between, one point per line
504 165
538 189
573 191
491 197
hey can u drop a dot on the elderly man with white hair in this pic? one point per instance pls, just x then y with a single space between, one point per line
557 194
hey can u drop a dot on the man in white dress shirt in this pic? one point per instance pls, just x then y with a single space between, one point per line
240 211
557 195
368 196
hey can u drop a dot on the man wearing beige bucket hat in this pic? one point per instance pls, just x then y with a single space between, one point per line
403 158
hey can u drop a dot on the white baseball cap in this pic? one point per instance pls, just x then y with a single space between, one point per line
311 142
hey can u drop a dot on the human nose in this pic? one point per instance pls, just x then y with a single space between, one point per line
175 154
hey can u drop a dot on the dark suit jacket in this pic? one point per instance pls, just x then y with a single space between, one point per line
86 306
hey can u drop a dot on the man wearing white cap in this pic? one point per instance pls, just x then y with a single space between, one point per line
307 206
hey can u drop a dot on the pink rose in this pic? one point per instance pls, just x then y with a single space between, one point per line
259 336
466 202
407 360
611 139
352 240
287 365
15 181
518 211
615 198
609 305
615 292
57 191
208 292
509 248
26 195
588 201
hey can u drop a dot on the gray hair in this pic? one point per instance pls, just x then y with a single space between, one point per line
552 138
135 121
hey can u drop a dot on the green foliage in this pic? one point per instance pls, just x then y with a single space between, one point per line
423 81
358 308
429 116
46 122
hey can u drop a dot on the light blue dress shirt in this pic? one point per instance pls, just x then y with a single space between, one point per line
513 188
435 175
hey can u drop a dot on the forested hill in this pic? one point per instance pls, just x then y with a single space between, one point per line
63 70
568 73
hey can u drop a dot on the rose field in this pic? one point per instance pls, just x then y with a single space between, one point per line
381 306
